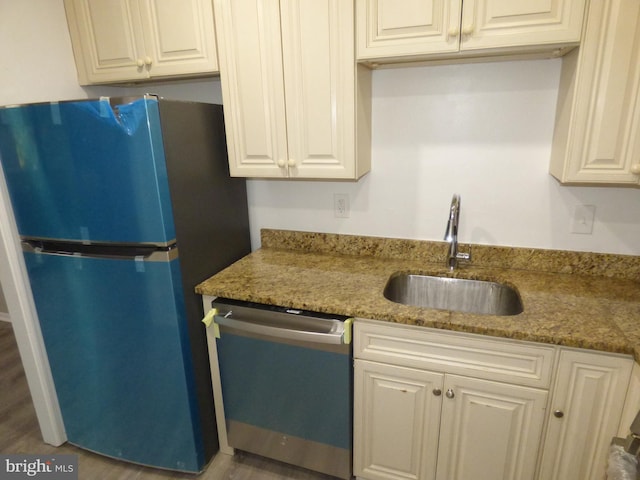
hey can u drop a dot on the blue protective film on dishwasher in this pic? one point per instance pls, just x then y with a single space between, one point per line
288 389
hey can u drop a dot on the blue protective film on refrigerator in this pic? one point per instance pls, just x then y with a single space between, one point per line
115 335
84 171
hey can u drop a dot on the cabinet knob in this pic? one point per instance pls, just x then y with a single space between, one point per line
468 30
558 413
635 169
437 392
450 393
281 163
148 61
291 162
140 63
453 32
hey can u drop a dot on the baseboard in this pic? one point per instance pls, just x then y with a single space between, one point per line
4 317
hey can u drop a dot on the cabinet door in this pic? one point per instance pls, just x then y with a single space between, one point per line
289 83
505 23
396 421
489 430
388 28
179 37
596 138
133 40
107 40
319 80
584 415
250 57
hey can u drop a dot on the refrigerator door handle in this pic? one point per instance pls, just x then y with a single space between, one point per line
138 253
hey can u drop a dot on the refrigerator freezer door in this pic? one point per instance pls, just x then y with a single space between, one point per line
86 171
117 342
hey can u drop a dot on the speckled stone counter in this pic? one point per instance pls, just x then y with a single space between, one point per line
574 299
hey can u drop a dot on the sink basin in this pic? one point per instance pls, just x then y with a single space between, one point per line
455 294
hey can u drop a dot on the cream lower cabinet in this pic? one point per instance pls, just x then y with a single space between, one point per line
117 41
422 29
396 421
489 429
584 414
431 405
296 103
416 424
597 133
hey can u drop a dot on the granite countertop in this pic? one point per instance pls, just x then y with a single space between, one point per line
574 299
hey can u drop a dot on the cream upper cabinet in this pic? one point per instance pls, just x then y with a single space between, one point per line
597 133
296 103
393 31
387 28
426 407
116 41
584 415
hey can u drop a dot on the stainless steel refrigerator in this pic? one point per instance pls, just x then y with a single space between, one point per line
123 206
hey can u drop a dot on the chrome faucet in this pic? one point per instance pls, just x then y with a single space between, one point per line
451 235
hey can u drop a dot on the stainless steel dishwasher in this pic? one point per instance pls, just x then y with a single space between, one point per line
286 378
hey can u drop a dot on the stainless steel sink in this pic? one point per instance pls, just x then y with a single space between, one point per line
455 294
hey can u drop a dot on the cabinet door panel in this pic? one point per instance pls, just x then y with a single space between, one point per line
250 57
179 36
396 421
319 79
109 38
590 391
489 430
596 135
509 23
474 356
132 40
386 29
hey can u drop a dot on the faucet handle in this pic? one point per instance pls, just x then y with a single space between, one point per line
466 256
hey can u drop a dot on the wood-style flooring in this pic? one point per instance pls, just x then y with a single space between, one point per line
20 433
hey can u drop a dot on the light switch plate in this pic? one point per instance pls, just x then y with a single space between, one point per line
341 205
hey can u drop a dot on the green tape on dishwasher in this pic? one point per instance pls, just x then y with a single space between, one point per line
348 329
208 318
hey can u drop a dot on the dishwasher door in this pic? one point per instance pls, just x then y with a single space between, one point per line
287 379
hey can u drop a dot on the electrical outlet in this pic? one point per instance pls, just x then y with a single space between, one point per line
341 205
583 217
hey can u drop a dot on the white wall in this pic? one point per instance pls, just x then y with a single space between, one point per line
481 130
